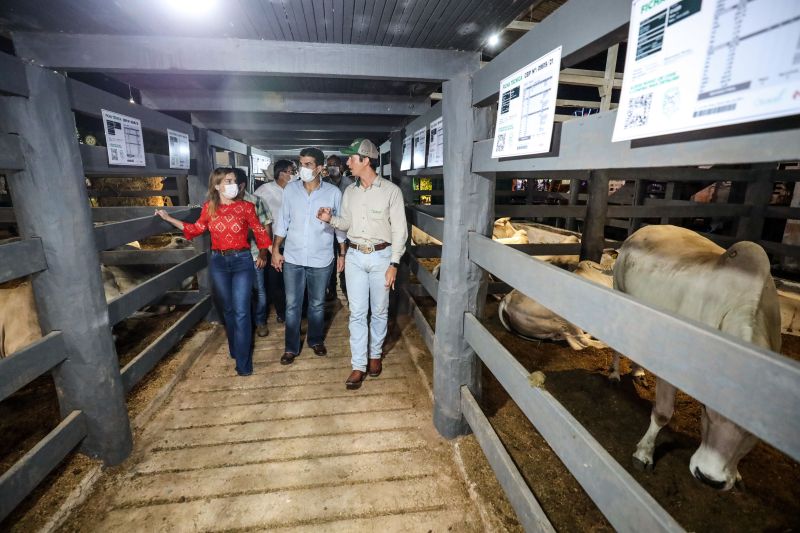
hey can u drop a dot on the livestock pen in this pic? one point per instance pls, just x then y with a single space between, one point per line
265 92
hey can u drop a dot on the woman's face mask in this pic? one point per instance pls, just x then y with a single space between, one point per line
229 191
306 174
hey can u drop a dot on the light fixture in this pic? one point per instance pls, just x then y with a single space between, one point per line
191 7
494 40
130 94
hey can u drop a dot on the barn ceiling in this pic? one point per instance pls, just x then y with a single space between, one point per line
267 110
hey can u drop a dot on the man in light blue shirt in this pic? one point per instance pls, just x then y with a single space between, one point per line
307 259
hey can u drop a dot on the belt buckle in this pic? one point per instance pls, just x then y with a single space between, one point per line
366 248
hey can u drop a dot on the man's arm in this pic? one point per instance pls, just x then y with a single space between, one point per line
397 221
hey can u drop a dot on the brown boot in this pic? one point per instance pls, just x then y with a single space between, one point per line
354 381
374 368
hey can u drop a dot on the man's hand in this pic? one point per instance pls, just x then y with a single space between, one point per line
261 260
324 214
277 260
340 264
391 275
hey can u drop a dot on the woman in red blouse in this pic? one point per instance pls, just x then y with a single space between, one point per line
228 218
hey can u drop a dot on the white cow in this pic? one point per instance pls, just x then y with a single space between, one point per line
677 270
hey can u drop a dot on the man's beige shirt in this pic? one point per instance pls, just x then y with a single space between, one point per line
374 215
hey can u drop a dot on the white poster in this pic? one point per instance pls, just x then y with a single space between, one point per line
260 164
436 144
527 108
695 64
123 139
178 149
420 145
405 163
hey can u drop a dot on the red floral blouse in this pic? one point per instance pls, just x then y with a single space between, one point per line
229 226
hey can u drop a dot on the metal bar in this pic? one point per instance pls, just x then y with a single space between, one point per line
143 363
430 225
224 143
20 258
425 278
423 327
121 214
118 233
91 101
719 371
12 76
146 257
10 154
566 27
19 480
108 193
126 304
95 163
27 364
218 55
618 496
529 512
586 143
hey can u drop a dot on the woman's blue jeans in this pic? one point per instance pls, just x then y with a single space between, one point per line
232 280
296 279
259 284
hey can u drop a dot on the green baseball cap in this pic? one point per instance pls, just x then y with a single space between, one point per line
363 147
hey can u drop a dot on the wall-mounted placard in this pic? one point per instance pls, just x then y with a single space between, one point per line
420 145
405 163
124 141
178 149
436 144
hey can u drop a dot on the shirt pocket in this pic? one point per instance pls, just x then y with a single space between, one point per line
376 212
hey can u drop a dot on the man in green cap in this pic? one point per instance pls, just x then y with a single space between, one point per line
373 214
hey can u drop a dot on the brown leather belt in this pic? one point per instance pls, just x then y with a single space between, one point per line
368 248
230 252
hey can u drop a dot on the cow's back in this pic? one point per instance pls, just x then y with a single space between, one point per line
680 271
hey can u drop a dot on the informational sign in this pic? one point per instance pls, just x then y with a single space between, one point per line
436 144
527 108
178 149
405 163
695 64
123 139
260 164
420 145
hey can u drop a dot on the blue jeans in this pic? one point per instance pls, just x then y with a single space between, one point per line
296 278
366 291
260 313
232 279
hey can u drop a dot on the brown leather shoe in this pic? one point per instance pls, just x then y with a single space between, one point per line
374 368
262 330
355 379
288 358
320 349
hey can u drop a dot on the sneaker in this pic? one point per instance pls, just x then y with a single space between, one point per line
262 330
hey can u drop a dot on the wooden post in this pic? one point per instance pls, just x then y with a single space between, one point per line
182 184
758 195
462 284
198 191
400 304
51 204
672 192
639 193
594 226
574 191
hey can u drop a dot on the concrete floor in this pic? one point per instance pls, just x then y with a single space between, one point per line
289 449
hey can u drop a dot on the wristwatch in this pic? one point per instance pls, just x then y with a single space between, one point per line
396 265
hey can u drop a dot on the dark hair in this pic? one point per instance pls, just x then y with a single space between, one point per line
336 157
281 166
316 153
372 161
241 175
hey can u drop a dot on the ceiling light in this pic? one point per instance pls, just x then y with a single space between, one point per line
192 7
494 40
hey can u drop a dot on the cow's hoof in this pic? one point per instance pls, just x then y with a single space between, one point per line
641 466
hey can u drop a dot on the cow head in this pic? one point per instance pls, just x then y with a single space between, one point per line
716 461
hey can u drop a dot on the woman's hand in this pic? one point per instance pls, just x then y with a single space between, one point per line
261 260
175 222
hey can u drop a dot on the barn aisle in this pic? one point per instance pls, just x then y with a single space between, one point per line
289 448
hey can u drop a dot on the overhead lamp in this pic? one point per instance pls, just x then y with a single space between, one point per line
493 40
192 7
130 94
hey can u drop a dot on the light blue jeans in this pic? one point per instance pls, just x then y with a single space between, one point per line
365 275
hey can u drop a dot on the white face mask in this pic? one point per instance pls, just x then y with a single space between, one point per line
230 191
306 174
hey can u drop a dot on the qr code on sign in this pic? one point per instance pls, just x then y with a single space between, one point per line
638 111
114 154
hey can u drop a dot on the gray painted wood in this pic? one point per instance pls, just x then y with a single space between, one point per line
105 193
29 363
146 257
681 211
618 496
574 194
425 329
425 278
20 258
759 192
593 238
540 210
95 163
10 153
224 143
69 294
426 116
586 144
639 193
144 362
181 298
118 233
529 512
121 214
718 374
12 76
198 191
125 305
430 225
217 55
461 282
19 480
91 101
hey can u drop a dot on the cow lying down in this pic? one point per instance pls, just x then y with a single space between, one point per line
677 270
